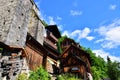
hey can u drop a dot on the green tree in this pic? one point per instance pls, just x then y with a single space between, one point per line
113 70
95 73
98 65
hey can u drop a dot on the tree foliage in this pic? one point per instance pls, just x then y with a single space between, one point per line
67 77
102 69
22 76
39 74
59 43
113 70
98 65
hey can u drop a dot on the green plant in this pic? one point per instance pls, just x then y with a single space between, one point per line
59 43
39 74
1 49
22 76
96 73
98 65
113 70
67 77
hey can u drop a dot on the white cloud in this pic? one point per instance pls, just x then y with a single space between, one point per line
89 38
110 35
100 40
60 27
104 55
59 18
79 34
75 33
84 33
51 20
66 33
54 21
113 34
112 7
75 13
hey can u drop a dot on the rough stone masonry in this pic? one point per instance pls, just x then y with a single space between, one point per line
17 17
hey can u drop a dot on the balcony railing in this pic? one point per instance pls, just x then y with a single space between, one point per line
51 43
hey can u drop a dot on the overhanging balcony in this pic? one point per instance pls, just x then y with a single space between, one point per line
54 45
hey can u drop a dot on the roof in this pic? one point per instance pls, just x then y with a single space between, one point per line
68 39
54 30
77 48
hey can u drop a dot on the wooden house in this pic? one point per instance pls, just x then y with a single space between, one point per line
36 54
50 44
74 59
14 60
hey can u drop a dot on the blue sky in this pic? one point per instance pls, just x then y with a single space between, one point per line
94 24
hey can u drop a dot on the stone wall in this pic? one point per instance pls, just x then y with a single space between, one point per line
18 30
11 64
40 32
17 17
35 26
32 25
7 10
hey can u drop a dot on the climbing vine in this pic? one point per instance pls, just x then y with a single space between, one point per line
59 43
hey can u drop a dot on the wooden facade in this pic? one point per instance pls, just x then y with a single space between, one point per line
74 59
50 44
36 54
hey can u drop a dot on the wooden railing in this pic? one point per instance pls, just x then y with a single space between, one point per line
51 43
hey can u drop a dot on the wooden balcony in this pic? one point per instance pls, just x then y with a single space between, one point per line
54 45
